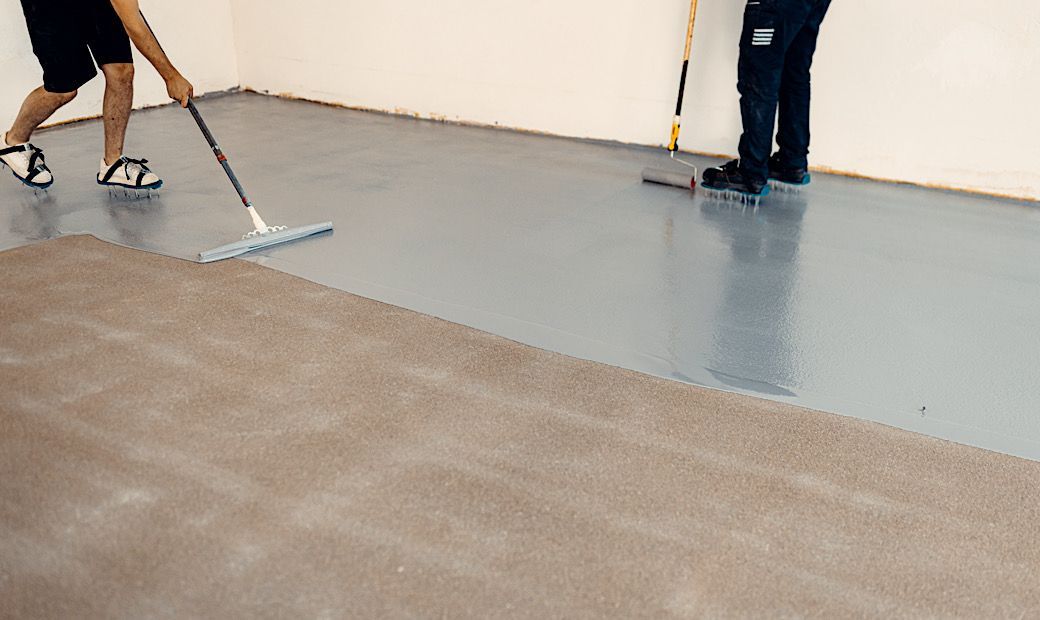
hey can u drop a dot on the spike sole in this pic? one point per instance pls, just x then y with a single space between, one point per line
733 195
784 186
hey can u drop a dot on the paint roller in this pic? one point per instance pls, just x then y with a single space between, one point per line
685 178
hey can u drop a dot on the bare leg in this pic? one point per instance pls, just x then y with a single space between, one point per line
119 99
38 107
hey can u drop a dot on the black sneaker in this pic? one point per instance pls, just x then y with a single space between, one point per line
781 177
728 182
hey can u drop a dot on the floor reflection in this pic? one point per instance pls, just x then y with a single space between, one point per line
753 345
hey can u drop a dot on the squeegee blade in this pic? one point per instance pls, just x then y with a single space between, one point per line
238 248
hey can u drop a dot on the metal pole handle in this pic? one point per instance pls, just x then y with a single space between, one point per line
673 144
219 153
208 134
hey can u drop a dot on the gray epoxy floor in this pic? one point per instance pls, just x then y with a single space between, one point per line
854 297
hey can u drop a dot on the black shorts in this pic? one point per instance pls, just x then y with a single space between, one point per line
65 33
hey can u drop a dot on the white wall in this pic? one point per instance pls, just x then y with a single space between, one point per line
928 91
197 34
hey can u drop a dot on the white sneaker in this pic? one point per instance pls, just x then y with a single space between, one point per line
128 174
27 163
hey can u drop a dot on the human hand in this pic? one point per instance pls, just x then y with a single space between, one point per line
180 89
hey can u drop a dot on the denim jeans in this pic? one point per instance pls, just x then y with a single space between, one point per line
776 54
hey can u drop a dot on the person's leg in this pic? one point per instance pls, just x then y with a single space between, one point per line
64 58
40 105
26 161
119 99
795 92
117 170
769 28
110 47
758 81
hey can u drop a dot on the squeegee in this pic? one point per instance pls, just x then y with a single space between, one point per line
685 179
262 235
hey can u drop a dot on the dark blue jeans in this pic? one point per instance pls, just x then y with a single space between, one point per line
776 53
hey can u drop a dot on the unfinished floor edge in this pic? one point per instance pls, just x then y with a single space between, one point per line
601 353
578 347
598 352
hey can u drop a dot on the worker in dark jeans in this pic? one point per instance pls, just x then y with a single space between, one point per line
776 53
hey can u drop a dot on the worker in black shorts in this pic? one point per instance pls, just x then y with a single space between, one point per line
776 54
69 37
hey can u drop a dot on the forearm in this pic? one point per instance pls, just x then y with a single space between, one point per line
130 14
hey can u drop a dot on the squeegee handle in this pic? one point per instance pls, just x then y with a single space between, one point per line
208 134
218 152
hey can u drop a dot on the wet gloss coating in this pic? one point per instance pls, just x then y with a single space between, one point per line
910 307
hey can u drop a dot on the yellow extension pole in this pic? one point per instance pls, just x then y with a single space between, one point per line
673 145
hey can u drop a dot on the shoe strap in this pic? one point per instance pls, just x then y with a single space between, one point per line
111 170
20 147
37 161
36 156
125 162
